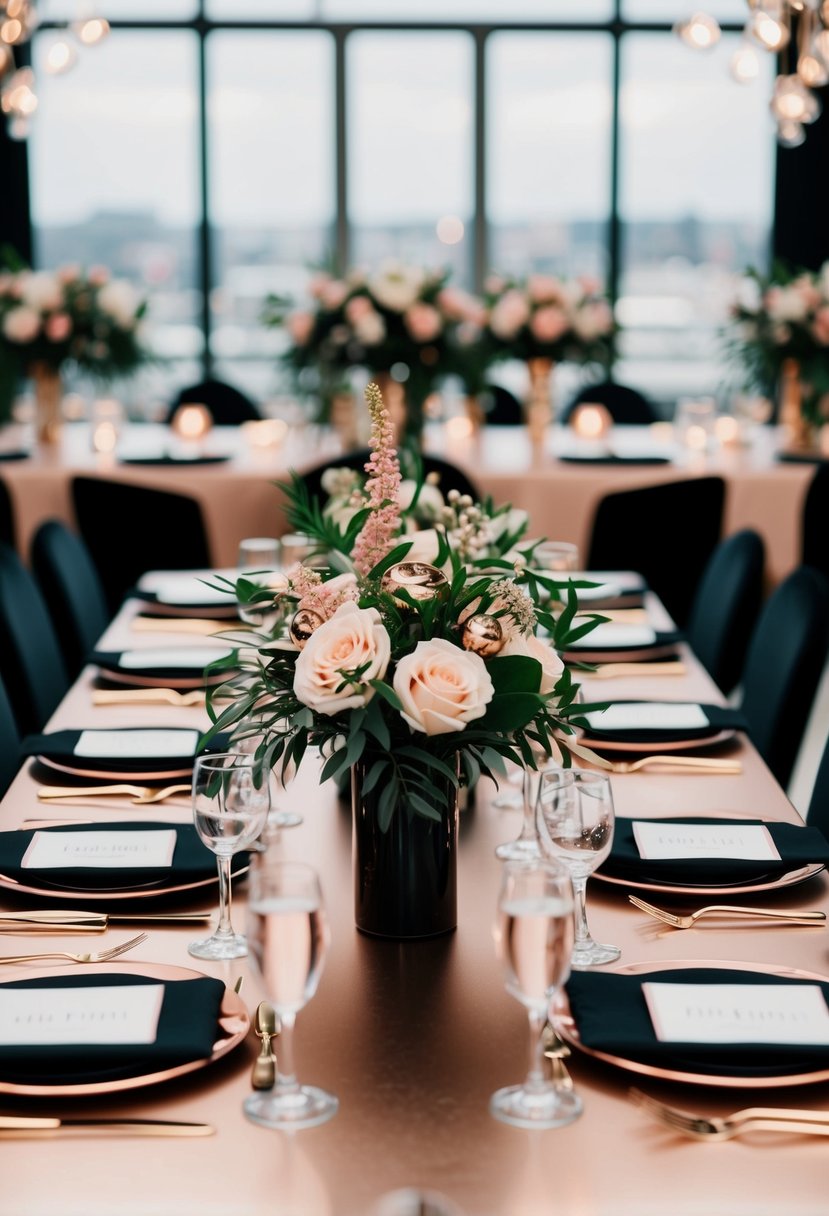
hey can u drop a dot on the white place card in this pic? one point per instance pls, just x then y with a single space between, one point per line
649 715
136 744
738 1013
195 657
100 850
184 591
616 637
733 841
36 1017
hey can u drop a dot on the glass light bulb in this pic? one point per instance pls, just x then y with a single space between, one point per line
700 32
812 71
745 66
790 99
768 30
92 31
790 134
60 57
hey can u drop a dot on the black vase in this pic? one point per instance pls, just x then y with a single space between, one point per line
405 879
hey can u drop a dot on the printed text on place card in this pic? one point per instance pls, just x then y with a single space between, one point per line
738 1013
83 1015
736 841
100 850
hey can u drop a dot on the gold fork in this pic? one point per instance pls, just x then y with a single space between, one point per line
147 696
754 1118
142 794
701 764
97 956
687 922
609 671
187 624
556 1051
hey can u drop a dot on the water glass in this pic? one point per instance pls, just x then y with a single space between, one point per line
694 422
288 936
231 800
575 820
258 553
296 549
533 938
556 556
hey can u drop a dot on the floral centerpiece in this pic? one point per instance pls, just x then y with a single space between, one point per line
49 319
779 334
546 320
414 668
397 322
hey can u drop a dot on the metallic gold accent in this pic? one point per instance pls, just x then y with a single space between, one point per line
483 635
304 623
720 910
420 580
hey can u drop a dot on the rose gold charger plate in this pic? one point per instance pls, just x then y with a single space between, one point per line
565 1026
232 1027
133 680
671 745
116 774
579 654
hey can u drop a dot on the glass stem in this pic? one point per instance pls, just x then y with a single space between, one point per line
286 1082
535 1077
224 928
582 928
528 831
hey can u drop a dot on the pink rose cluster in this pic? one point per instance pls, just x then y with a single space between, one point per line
787 311
55 305
547 311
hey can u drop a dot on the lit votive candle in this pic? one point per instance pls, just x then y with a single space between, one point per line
192 421
268 433
459 428
728 431
591 421
104 437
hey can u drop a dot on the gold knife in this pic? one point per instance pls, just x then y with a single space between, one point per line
20 1128
60 921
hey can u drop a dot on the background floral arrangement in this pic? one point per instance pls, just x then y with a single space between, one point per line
69 315
397 314
404 664
784 316
548 318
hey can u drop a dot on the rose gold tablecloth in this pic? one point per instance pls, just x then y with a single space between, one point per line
414 1038
239 499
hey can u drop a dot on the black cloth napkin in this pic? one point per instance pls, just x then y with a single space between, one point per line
207 608
611 1015
187 1030
801 458
16 455
615 460
797 846
110 660
192 861
179 461
720 717
669 637
60 745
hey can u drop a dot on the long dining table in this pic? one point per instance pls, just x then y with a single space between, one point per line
414 1037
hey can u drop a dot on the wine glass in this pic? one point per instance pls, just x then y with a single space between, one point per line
257 553
556 556
231 800
526 843
288 935
575 827
533 937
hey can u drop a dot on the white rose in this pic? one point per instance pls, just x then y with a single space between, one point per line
425 545
341 511
531 647
120 299
430 501
396 286
787 304
508 523
370 330
441 687
21 324
41 290
351 638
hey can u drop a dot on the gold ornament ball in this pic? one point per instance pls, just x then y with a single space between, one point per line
303 625
422 581
483 635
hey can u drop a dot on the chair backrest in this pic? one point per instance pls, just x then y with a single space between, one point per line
625 405
10 758
130 529
815 534
818 813
449 476
725 607
501 407
666 532
227 405
73 592
31 665
783 667
6 515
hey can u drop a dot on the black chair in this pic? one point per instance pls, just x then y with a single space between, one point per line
625 405
449 476
725 607
73 592
783 667
818 813
6 515
31 666
815 519
228 407
130 529
501 407
666 532
10 758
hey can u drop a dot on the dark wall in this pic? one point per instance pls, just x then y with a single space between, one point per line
801 210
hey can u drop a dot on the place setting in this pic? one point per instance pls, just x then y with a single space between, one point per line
660 726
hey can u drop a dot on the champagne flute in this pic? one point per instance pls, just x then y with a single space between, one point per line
533 937
231 800
575 827
288 935
525 844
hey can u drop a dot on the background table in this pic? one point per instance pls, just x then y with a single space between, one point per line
238 498
413 1038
